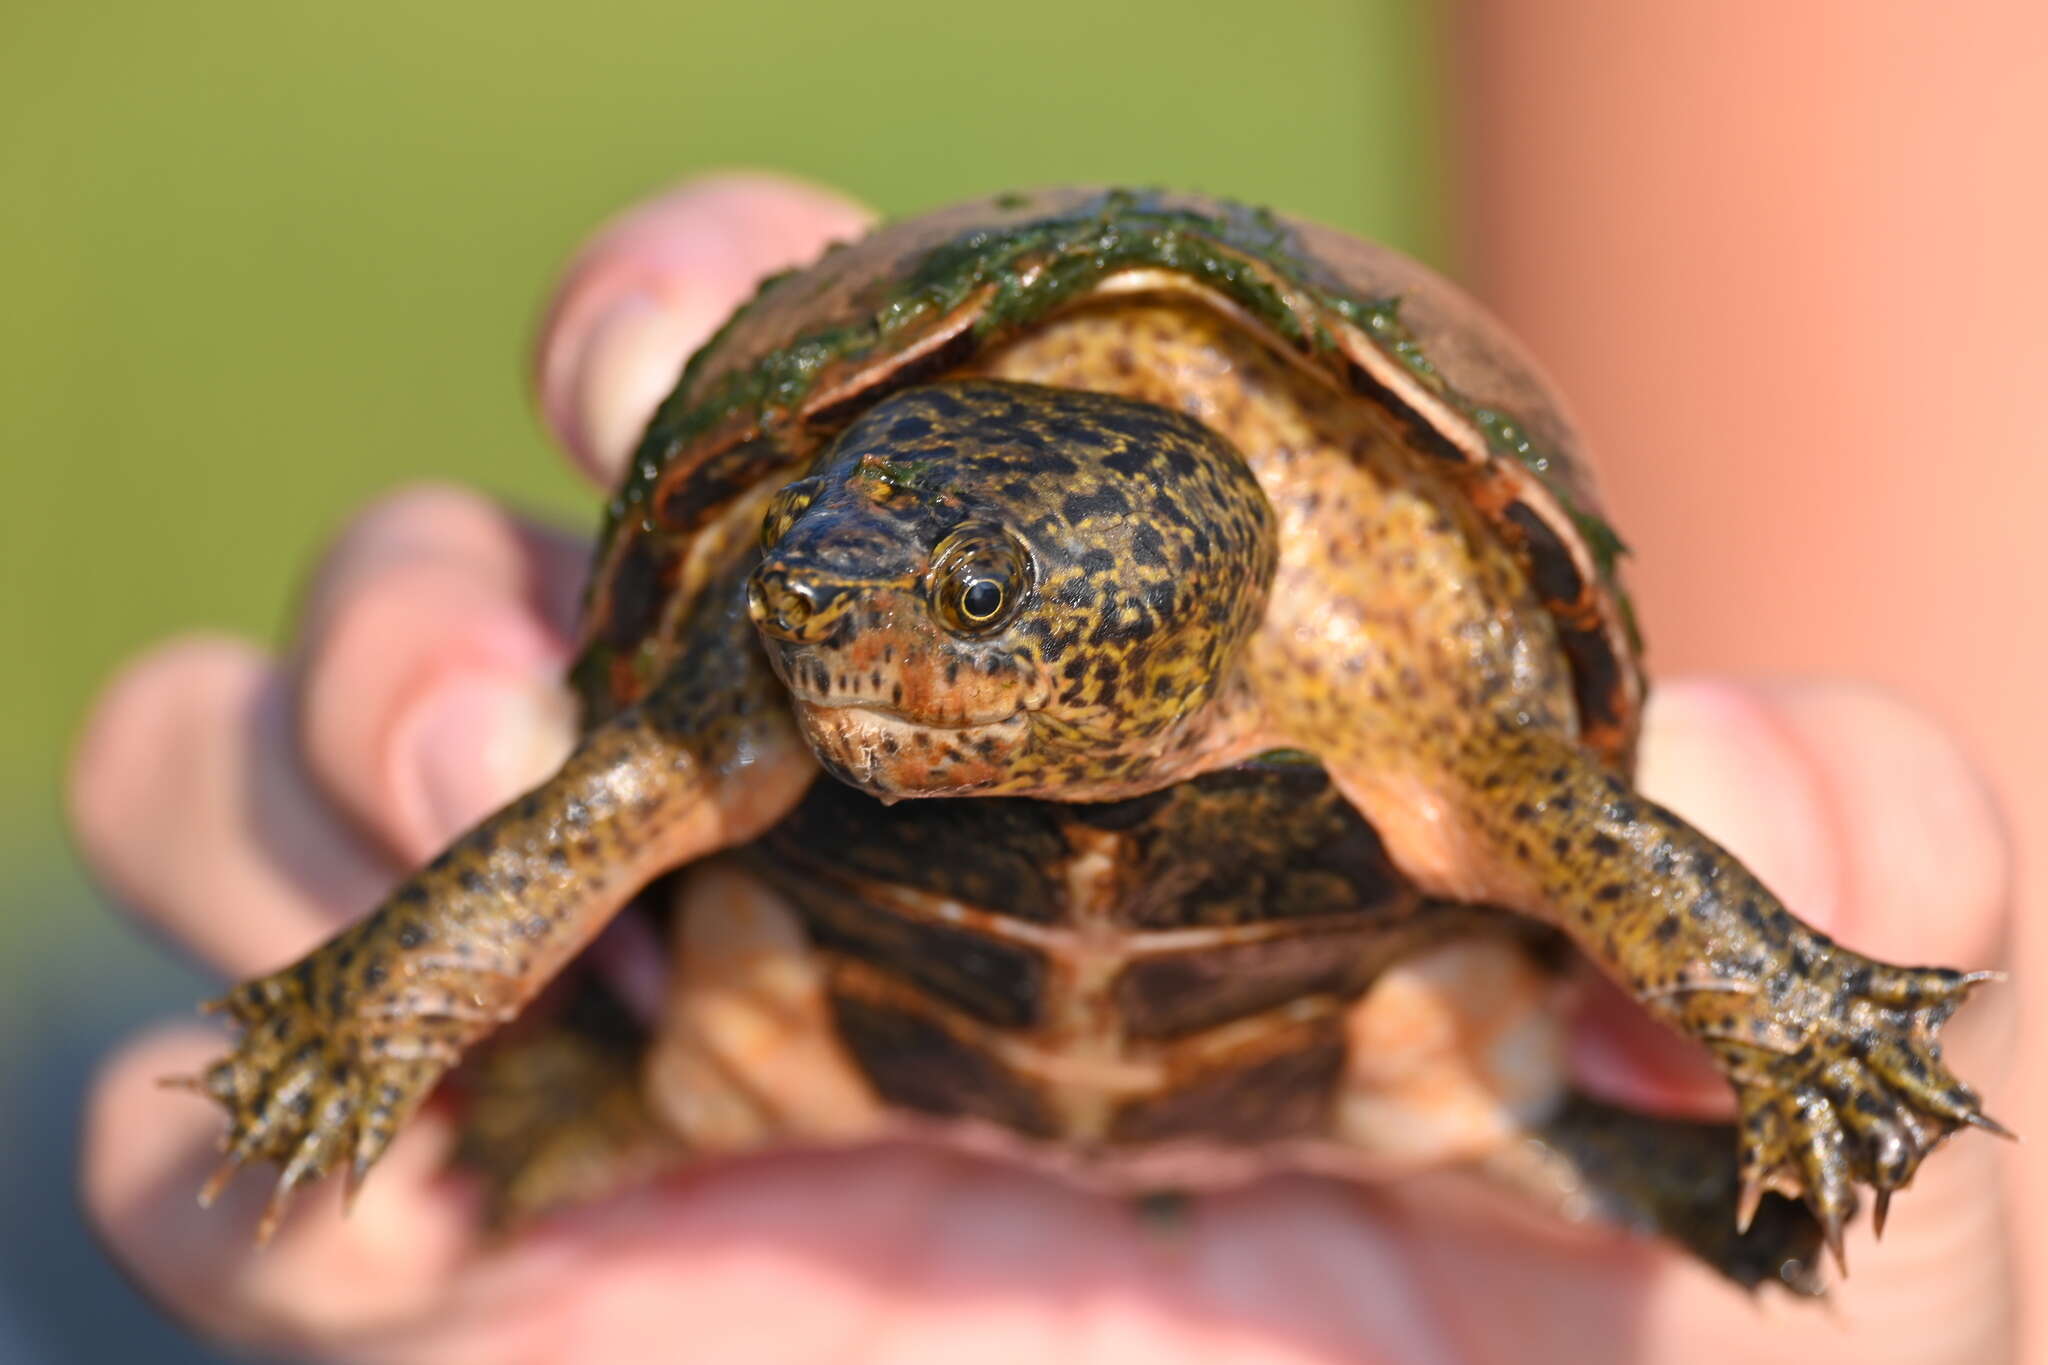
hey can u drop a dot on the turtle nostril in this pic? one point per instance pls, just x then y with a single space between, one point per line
779 605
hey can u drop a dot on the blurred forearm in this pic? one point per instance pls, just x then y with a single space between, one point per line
1786 260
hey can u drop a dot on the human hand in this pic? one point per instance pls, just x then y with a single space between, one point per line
246 807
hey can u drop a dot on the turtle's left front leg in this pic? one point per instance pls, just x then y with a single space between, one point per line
338 1049
1833 1055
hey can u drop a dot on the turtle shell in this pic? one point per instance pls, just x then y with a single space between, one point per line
1212 935
921 298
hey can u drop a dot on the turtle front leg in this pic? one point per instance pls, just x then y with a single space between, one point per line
1834 1056
339 1048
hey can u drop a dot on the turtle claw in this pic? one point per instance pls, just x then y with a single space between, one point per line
273 1213
1863 1100
218 1181
301 1089
1978 1119
1747 1201
1831 1225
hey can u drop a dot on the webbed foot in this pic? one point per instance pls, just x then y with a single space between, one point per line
1864 1098
310 1090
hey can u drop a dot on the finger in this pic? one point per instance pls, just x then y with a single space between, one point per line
1925 859
1936 1291
324 1280
429 670
541 565
652 286
893 1251
190 807
1925 873
1857 811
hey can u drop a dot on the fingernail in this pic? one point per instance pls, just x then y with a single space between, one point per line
633 356
480 740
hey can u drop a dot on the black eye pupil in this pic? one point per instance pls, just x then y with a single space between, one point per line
982 599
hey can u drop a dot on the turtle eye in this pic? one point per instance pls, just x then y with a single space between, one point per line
784 508
982 600
977 580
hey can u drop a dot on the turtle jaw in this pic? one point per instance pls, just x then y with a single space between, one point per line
898 715
905 676
890 755
885 718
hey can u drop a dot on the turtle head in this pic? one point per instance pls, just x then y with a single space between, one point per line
1004 588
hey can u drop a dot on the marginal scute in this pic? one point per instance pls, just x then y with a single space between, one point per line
1603 693
639 583
683 504
1552 571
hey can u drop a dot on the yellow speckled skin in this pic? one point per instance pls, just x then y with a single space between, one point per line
340 1048
1131 540
1405 651
1130 553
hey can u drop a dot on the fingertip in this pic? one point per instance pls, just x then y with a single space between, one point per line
132 705
118 755
1858 810
1717 753
428 523
652 285
471 744
140 1133
429 674
1928 853
147 1149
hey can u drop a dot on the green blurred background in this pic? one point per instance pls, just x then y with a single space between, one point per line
260 261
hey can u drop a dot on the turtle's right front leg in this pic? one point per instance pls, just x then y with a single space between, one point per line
1834 1056
339 1048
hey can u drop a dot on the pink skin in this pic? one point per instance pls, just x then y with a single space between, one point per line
1648 191
243 807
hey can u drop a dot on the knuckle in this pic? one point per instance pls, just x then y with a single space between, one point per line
423 524
155 700
382 648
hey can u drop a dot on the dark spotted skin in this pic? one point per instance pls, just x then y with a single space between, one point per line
1249 888
1404 647
1666 1177
946 291
1833 1055
1134 550
339 1048
1307 516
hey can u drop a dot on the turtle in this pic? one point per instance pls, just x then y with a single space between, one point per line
1231 596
